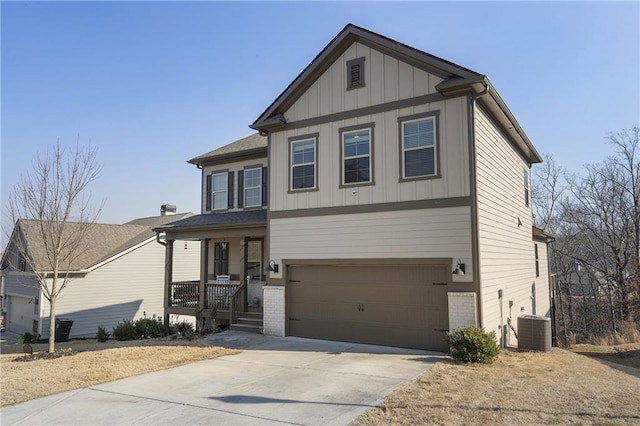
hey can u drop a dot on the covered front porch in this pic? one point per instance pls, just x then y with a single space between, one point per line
232 269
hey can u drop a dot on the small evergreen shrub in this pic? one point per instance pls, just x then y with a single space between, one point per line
102 335
125 330
184 327
150 328
473 344
27 338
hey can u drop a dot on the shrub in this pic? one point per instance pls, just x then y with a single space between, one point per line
184 327
27 338
473 344
125 330
102 335
150 328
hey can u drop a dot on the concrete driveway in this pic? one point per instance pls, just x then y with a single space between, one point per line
273 381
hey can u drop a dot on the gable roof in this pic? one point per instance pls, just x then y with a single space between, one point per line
255 143
458 80
105 241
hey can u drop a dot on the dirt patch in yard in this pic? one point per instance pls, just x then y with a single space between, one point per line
558 387
92 363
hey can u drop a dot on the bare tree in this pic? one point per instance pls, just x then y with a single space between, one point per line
51 209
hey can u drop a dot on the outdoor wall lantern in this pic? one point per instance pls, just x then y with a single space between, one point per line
460 268
273 267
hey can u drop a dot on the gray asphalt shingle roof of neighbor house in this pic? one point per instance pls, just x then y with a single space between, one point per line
254 142
103 240
248 217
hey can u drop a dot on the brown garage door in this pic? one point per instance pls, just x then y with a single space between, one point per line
404 306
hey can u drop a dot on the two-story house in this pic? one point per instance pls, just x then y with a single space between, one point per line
398 202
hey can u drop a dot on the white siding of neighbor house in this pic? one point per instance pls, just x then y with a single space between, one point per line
386 80
24 285
453 154
125 288
506 250
430 233
231 167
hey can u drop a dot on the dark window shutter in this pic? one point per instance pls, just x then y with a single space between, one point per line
240 188
230 190
265 185
208 196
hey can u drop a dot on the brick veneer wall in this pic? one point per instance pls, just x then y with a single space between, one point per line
462 310
273 310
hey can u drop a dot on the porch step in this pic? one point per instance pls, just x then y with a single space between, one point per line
251 322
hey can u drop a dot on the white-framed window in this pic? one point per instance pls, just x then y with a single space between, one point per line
303 164
253 187
356 156
220 191
418 140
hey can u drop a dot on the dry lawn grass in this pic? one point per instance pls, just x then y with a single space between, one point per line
98 363
559 387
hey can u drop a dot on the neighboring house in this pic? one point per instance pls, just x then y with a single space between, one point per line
398 196
119 277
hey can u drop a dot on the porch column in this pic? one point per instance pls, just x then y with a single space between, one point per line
204 272
168 277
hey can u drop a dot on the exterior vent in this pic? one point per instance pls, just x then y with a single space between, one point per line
167 209
534 333
355 73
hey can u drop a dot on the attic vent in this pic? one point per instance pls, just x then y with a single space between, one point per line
355 73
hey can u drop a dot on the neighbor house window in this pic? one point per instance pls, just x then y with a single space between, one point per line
220 259
220 191
356 156
526 188
535 248
355 73
303 164
253 187
418 143
22 262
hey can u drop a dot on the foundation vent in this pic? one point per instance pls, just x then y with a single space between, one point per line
534 333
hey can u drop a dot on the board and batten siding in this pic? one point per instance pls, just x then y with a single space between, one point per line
431 233
125 288
386 80
506 250
453 154
234 167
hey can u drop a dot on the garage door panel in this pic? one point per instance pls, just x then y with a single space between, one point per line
386 305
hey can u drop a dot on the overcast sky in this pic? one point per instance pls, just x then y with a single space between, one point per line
151 85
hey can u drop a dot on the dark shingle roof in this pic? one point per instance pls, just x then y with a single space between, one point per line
212 220
250 143
103 241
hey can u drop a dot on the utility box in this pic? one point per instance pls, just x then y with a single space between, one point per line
63 329
534 333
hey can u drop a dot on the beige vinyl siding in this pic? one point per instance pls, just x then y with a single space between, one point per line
542 299
506 250
231 167
431 233
453 156
124 288
386 80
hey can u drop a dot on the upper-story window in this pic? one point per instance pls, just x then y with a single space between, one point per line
220 191
357 153
303 163
418 141
526 188
355 73
253 187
